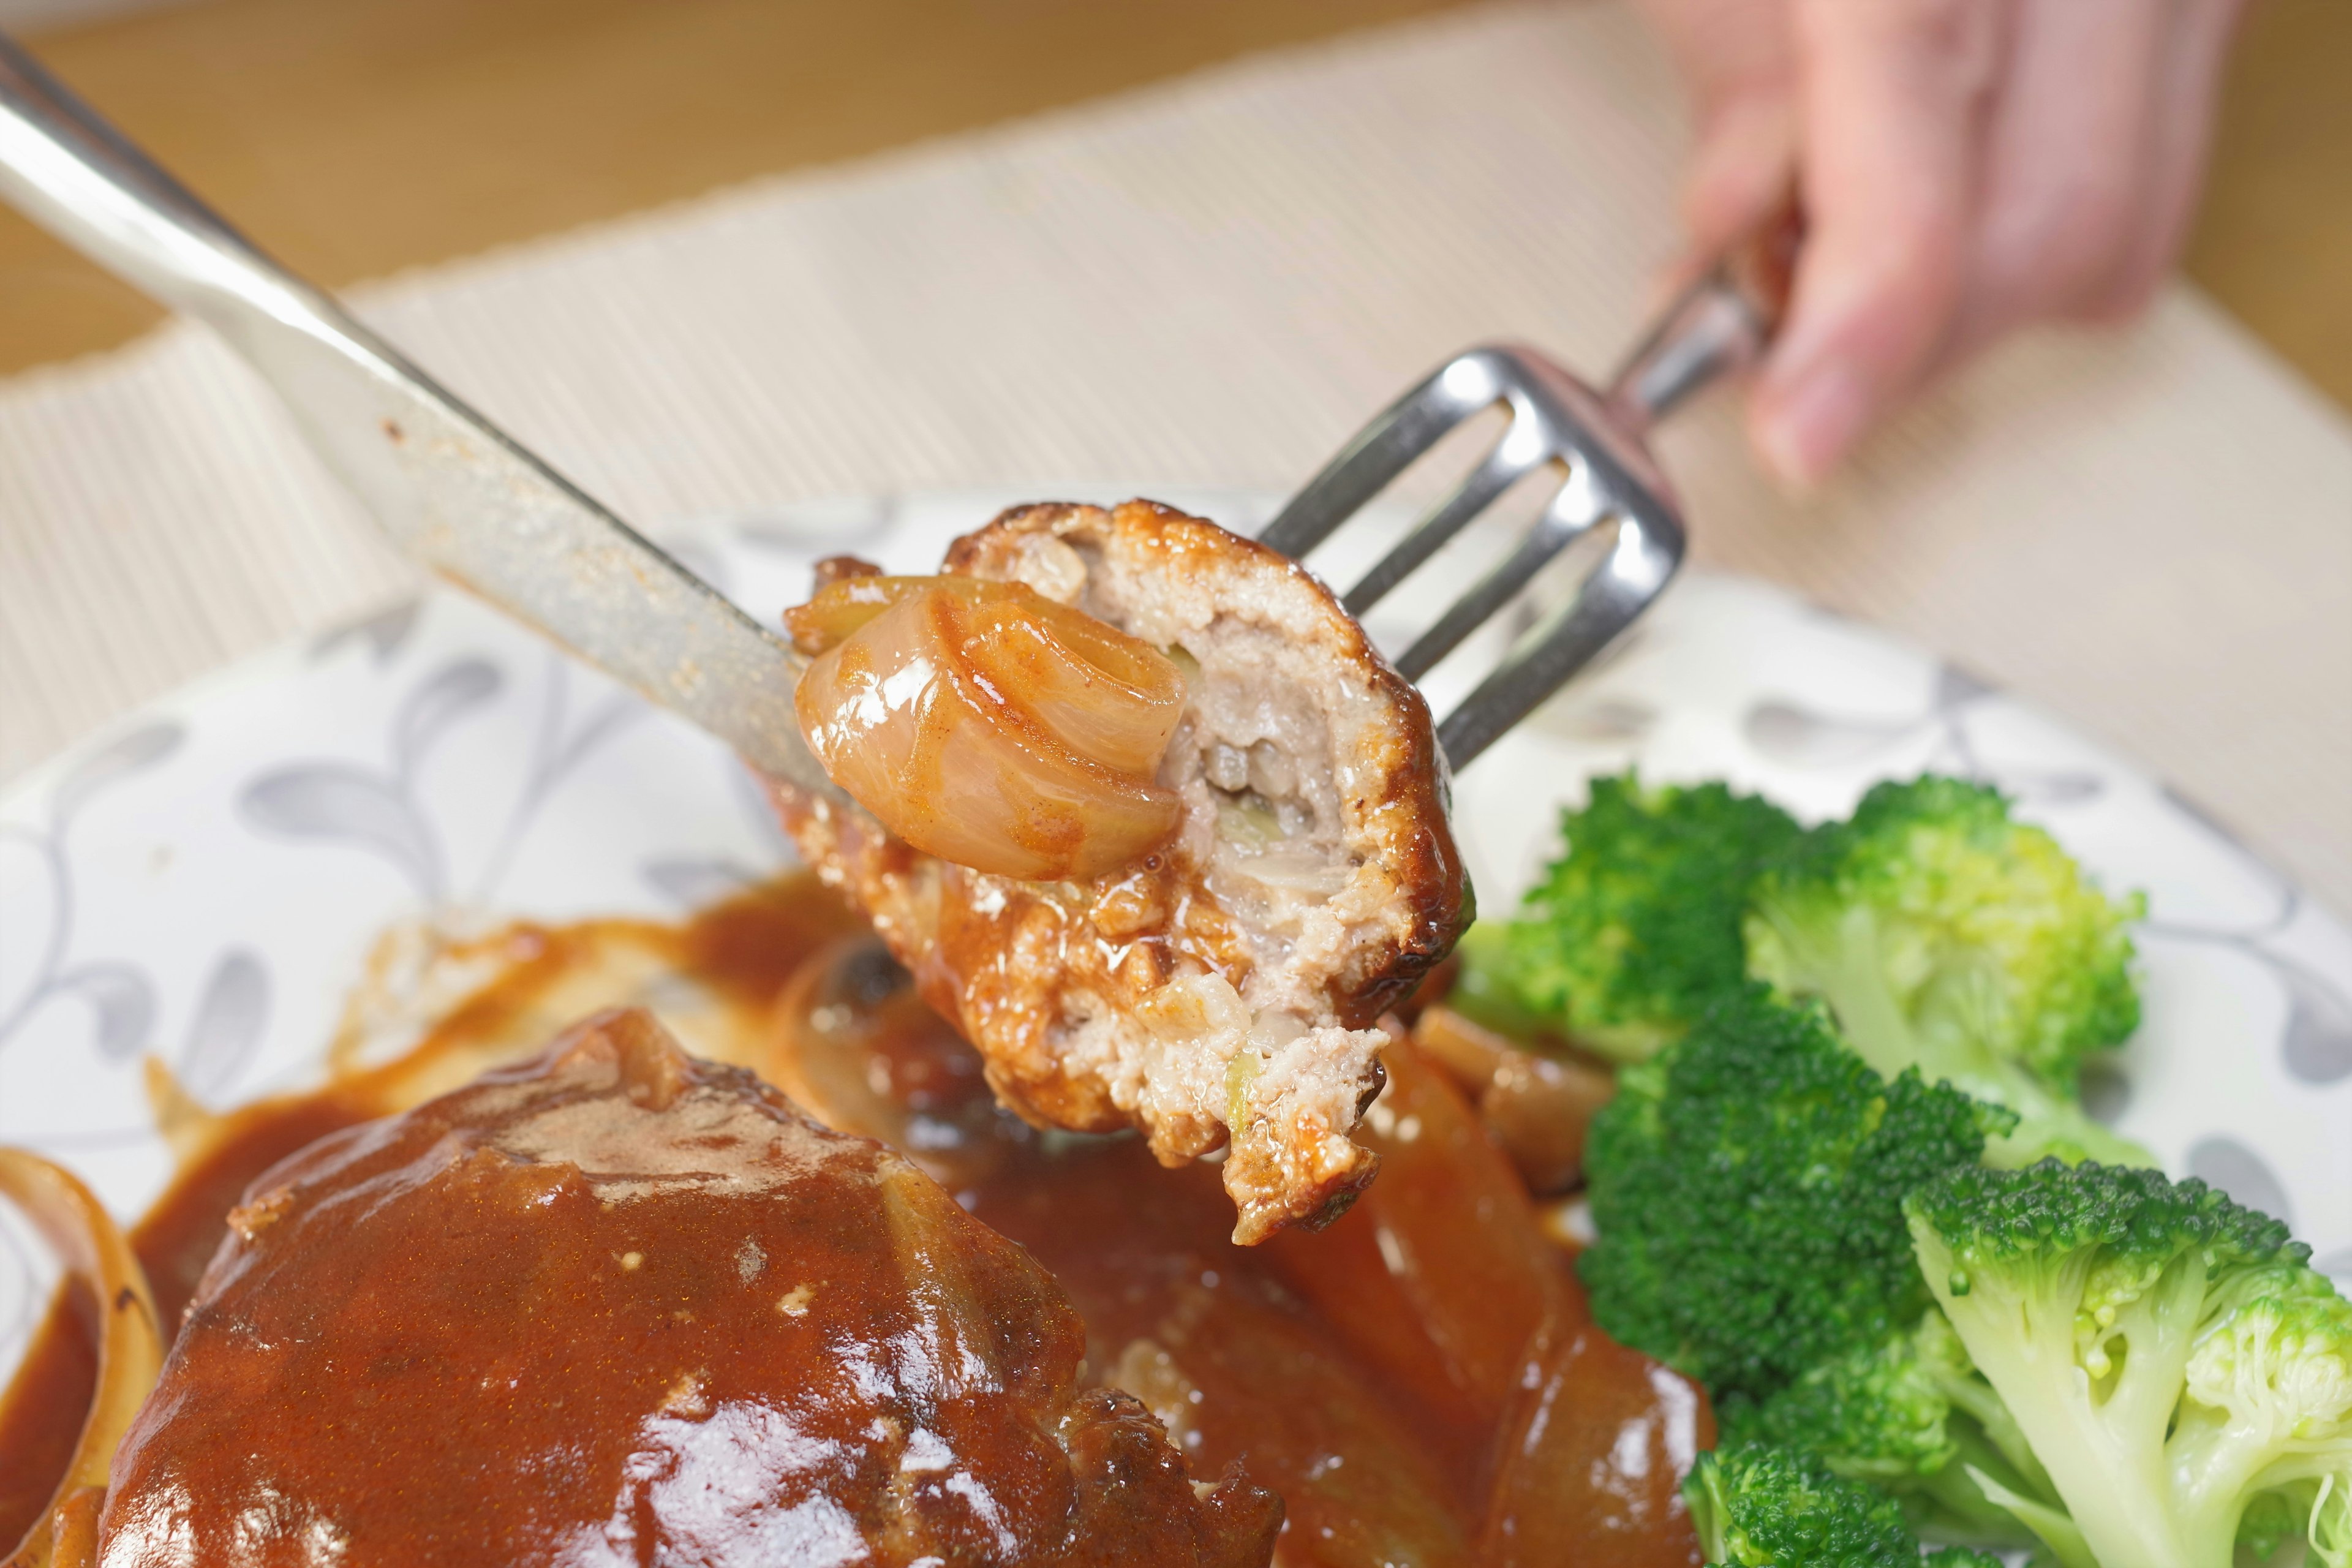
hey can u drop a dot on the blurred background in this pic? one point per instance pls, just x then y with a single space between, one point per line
360 137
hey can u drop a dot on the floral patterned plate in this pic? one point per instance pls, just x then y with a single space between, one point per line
202 883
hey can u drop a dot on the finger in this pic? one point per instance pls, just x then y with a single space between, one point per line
2070 162
2095 158
1723 48
2187 102
1893 95
1746 163
1735 57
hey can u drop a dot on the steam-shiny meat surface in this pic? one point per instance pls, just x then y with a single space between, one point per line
989 725
617 1305
1219 991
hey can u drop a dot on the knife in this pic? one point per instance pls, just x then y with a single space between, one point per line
451 489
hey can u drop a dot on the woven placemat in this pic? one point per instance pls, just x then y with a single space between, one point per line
1211 283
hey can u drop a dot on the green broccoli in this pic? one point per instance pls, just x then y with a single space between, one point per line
1763 1507
1747 1185
2318 1513
2170 1357
1634 931
2330 1520
1910 1415
1944 935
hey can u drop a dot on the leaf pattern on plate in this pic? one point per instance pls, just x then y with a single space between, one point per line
384 632
1797 735
2052 786
1800 737
2318 1043
691 881
2193 809
2246 1176
1604 721
339 803
130 752
227 1028
2106 1091
444 697
1956 686
557 748
121 1001
119 996
761 811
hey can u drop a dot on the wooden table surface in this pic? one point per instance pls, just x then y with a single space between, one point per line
359 137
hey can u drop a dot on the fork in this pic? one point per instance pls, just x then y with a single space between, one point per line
475 505
1596 441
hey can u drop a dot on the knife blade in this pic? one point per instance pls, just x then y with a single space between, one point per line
450 488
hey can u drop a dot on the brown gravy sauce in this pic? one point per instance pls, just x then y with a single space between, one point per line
1420 1381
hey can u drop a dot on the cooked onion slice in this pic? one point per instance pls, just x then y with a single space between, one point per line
130 1346
988 725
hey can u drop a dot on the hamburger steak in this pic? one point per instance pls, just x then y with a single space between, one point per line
1222 991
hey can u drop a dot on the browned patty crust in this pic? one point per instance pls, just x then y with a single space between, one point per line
1222 992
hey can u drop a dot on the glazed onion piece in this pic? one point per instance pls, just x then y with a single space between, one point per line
989 725
129 1348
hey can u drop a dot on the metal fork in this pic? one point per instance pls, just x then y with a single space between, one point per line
1596 440
475 505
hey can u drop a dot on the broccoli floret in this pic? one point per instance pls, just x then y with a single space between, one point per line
1758 1505
1485 985
1944 935
2170 1357
2330 1519
2316 1512
1879 1413
1910 1415
1747 1185
1634 931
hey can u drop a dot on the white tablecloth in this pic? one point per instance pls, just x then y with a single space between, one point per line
1212 282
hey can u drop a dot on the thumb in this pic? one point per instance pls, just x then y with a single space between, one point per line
1893 97
1745 160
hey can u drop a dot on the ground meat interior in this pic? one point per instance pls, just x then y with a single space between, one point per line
1219 993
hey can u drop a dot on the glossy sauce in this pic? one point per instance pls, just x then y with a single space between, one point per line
989 725
1418 1381
615 1305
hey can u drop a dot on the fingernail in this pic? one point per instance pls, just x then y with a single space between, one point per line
1803 431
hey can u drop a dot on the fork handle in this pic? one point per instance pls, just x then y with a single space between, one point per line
1721 323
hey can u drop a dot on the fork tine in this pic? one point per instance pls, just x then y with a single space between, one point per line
1570 516
1647 551
1385 448
1518 454
1600 437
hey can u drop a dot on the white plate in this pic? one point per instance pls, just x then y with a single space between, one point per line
202 882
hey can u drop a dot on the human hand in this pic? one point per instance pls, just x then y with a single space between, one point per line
1966 167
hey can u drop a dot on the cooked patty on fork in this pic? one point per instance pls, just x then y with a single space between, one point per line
1222 991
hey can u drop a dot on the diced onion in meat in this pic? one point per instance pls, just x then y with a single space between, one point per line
989 725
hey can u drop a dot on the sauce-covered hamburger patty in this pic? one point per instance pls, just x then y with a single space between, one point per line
618 1305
